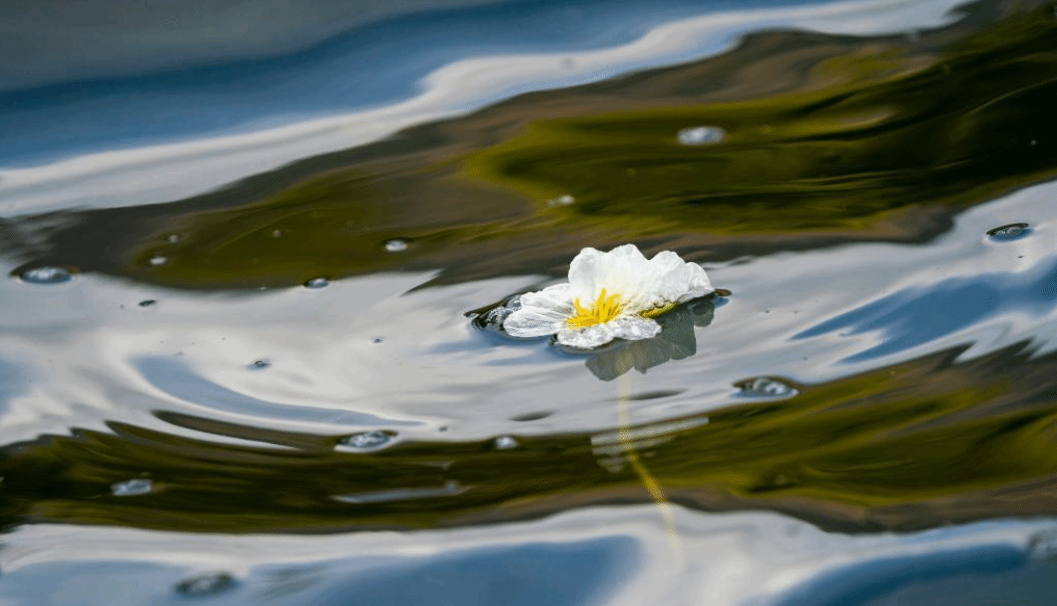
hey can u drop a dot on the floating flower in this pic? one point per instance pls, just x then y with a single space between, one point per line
613 295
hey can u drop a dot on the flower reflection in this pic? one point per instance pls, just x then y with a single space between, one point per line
675 341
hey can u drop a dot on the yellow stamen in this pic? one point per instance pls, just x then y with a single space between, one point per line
606 308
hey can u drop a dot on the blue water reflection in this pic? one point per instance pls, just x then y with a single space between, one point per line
178 380
474 471
100 100
917 315
70 116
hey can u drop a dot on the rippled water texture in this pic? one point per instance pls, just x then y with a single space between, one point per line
255 254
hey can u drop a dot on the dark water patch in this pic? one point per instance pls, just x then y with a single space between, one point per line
870 141
881 450
881 582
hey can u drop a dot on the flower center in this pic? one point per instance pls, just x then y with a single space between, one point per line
603 310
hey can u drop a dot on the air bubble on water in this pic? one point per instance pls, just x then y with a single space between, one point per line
257 364
147 302
1008 232
158 260
132 488
532 416
276 233
563 200
766 387
368 440
1043 545
317 283
46 275
206 584
173 238
396 245
505 443
492 319
701 135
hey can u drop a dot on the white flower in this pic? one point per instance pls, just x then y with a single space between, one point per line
613 295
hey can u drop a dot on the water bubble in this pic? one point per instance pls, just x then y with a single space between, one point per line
173 238
317 283
492 319
132 488
46 275
563 200
368 440
766 386
147 302
701 135
158 260
450 488
532 416
260 364
1012 231
206 584
505 443
1043 546
276 233
396 245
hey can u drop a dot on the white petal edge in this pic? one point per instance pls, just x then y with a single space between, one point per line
632 328
542 313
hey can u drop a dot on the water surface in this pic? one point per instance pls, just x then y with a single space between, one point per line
239 361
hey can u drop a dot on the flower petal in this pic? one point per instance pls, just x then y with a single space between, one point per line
621 270
584 273
542 313
632 328
586 338
676 281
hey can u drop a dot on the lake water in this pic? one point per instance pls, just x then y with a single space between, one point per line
251 249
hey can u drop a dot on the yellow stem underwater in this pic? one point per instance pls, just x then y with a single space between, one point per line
647 479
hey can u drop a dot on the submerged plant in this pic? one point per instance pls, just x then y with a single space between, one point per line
609 295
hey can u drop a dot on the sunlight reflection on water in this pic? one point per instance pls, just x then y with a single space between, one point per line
278 394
